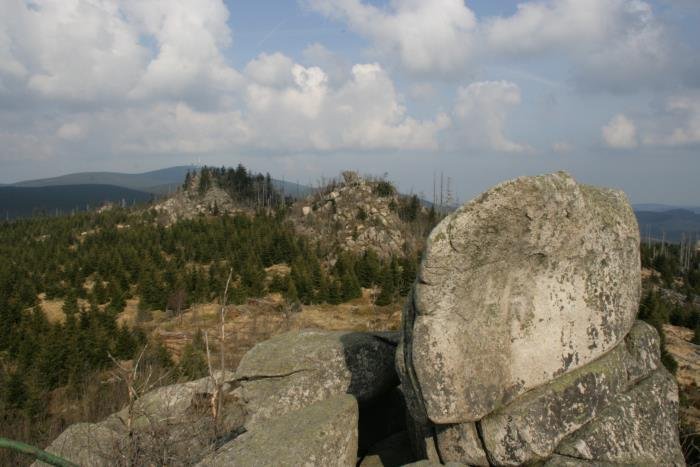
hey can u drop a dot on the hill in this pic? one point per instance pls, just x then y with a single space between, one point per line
672 225
158 181
21 201
656 207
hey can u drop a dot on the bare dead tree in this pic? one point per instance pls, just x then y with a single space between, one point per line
218 379
176 301
135 390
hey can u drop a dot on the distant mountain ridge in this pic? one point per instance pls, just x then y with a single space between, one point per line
27 201
672 225
657 207
75 191
159 182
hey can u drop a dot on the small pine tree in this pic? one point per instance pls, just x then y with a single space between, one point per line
193 363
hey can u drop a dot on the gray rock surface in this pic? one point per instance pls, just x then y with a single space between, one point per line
531 428
531 280
86 444
298 368
638 428
460 443
171 424
324 433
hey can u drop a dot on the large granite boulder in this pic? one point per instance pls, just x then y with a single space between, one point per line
298 368
533 279
323 433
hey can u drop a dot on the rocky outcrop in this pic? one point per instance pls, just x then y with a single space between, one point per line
295 369
356 214
533 279
519 339
299 398
323 433
189 203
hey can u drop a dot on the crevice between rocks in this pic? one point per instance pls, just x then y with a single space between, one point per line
480 435
261 377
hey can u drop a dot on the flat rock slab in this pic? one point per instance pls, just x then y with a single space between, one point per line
298 368
324 433
533 279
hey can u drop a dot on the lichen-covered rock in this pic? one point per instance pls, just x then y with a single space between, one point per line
638 428
298 368
170 405
171 424
531 280
460 443
87 444
531 428
324 433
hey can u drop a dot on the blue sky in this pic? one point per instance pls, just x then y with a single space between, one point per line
481 91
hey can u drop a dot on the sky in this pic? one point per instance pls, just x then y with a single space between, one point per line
478 91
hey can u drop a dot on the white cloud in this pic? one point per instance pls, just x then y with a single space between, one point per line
71 131
74 50
94 50
678 124
364 112
562 147
620 133
422 91
336 66
480 115
427 37
613 45
190 37
270 69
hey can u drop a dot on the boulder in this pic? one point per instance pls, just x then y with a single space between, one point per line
638 428
324 433
531 428
298 368
460 443
533 279
87 444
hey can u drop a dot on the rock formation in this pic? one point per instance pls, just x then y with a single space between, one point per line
188 203
519 347
296 399
355 214
520 343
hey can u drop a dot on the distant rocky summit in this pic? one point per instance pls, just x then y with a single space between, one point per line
358 213
190 202
519 347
